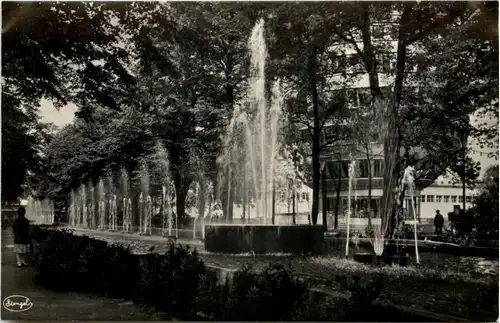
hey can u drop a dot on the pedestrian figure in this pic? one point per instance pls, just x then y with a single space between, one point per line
438 222
22 238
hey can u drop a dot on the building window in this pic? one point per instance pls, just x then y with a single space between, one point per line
364 170
422 198
446 199
438 198
468 199
365 97
305 196
460 199
384 63
298 196
453 199
430 198
378 31
378 168
339 64
355 64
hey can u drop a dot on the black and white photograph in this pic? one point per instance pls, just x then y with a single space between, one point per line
250 161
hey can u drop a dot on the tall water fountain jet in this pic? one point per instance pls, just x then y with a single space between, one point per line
144 181
73 211
127 214
92 208
114 216
258 126
148 216
141 211
85 209
101 209
409 181
352 174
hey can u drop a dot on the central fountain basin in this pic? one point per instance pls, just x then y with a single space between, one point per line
264 238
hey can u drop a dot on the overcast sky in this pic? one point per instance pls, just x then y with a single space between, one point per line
59 117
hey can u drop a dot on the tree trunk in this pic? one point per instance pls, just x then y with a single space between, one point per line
316 137
337 205
293 206
464 169
180 200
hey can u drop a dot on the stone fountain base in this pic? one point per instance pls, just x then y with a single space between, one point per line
264 238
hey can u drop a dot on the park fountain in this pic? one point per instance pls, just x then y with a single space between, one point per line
92 208
72 209
101 212
85 208
127 215
352 173
141 212
114 214
127 212
101 205
252 155
148 216
40 211
409 181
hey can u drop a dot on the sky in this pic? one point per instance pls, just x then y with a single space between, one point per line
59 117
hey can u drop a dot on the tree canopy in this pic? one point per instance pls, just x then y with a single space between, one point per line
172 73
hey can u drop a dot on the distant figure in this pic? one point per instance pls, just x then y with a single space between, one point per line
438 222
22 239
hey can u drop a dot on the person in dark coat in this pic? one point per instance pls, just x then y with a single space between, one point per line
22 238
438 222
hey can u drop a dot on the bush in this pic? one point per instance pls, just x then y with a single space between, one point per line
170 282
179 284
121 274
271 295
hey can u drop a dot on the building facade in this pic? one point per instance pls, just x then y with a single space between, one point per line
444 194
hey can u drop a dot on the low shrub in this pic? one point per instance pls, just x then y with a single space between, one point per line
179 284
271 295
170 282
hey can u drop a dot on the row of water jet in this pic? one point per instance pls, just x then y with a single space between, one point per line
252 145
98 208
40 211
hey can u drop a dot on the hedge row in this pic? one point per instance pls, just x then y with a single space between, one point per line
179 284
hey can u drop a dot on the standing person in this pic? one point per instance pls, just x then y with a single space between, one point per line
438 222
22 238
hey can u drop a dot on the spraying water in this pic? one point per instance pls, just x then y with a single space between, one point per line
141 212
40 211
148 215
252 145
83 194
352 173
101 204
409 181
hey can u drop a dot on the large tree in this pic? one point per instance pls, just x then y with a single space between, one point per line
414 25
302 55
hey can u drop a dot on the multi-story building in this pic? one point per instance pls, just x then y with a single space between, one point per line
443 194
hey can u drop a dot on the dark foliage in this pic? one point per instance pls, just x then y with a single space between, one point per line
170 281
179 284
272 294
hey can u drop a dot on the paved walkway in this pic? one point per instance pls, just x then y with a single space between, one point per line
136 237
49 305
